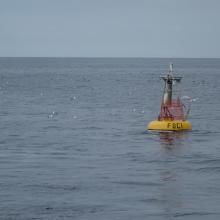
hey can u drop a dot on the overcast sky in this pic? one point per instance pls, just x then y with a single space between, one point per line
110 28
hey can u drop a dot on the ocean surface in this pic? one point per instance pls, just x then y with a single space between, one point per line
74 144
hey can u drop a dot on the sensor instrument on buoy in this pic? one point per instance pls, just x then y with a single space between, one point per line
171 117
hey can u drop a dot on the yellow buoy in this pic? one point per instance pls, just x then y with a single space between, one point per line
172 116
168 125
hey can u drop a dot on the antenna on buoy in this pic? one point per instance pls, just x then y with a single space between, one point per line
171 68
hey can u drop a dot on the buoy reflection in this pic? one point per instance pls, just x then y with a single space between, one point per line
171 139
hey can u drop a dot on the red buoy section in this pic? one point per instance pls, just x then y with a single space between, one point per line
171 111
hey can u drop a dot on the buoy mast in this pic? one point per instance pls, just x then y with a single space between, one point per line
169 80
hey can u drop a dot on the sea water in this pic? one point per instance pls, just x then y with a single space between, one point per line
73 143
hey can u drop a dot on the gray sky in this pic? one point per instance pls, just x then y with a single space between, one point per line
110 28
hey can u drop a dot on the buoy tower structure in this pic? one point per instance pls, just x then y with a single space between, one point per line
171 116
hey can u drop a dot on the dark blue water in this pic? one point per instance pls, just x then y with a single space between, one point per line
73 143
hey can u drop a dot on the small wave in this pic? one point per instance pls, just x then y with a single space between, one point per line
208 169
56 187
153 200
193 214
204 160
137 183
92 128
51 127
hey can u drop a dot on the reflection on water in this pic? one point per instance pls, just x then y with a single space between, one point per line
172 139
171 143
171 191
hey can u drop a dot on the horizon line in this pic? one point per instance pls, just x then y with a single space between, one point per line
110 57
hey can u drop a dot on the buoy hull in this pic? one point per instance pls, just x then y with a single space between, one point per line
168 125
